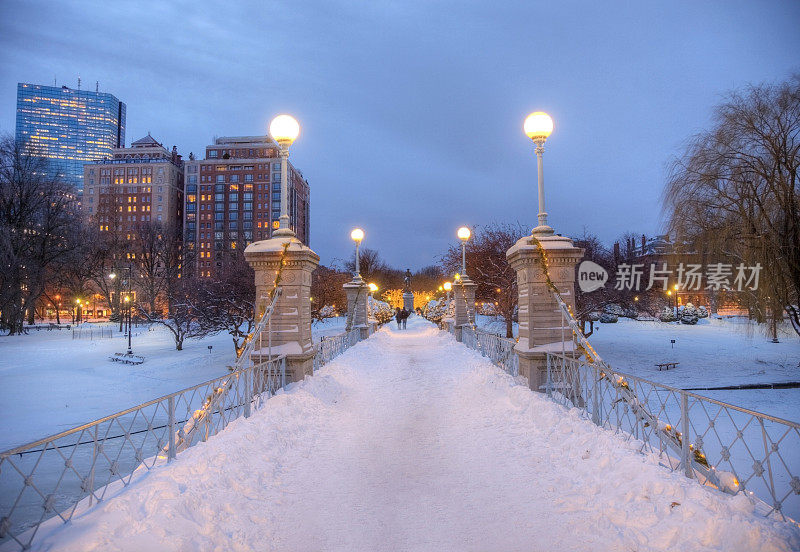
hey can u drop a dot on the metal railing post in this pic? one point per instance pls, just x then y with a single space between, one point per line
548 386
595 394
171 423
247 393
686 454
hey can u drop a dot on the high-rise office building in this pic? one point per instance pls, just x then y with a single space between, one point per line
233 197
69 127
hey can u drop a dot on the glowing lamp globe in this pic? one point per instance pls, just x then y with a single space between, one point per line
357 235
284 129
373 287
538 126
464 233
448 286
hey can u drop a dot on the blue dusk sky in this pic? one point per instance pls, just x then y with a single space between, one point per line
411 112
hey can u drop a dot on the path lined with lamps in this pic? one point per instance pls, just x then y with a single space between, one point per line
411 441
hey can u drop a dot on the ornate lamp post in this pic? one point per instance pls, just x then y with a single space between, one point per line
284 129
464 235
372 288
538 126
447 287
357 235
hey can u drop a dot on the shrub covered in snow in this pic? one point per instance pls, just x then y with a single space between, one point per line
594 316
380 310
613 308
667 315
689 315
435 310
608 318
702 312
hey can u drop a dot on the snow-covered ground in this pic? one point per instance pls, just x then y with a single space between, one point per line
51 382
716 352
410 441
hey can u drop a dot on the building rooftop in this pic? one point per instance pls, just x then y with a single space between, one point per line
146 142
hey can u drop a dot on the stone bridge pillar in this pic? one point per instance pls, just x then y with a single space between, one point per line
357 310
464 297
291 321
540 322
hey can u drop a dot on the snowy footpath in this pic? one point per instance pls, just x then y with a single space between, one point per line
411 441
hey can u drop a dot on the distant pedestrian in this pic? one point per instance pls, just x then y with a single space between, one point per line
404 314
398 316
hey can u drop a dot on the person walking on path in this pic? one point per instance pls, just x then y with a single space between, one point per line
404 314
398 316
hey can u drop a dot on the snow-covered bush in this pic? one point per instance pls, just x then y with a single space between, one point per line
689 315
702 312
667 315
631 313
594 316
435 310
608 318
380 310
614 309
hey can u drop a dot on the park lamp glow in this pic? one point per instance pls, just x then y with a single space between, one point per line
112 275
538 126
373 287
448 286
457 276
284 129
357 235
463 233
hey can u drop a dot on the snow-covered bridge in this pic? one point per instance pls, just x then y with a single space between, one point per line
411 441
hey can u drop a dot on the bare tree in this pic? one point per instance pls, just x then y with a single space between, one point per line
228 302
184 318
488 267
36 219
327 291
734 194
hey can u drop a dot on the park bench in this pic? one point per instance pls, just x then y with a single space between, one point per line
125 358
667 365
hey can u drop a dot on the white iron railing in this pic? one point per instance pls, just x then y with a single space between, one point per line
722 445
66 473
497 349
330 347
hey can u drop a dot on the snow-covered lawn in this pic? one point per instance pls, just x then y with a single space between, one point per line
51 382
716 352
410 441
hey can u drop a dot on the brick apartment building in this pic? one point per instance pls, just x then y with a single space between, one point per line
139 184
233 198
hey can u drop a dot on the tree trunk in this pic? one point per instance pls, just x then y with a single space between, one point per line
509 327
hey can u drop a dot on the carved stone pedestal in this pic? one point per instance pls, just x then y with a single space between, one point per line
357 313
464 297
540 321
291 320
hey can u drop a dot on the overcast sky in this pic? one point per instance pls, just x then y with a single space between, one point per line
411 112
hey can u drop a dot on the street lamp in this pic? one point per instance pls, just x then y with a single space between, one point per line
538 126
447 287
357 235
78 311
463 234
372 288
284 129
128 306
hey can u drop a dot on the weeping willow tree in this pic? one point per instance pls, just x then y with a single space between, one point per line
733 196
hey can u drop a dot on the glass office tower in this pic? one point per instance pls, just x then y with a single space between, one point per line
69 127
